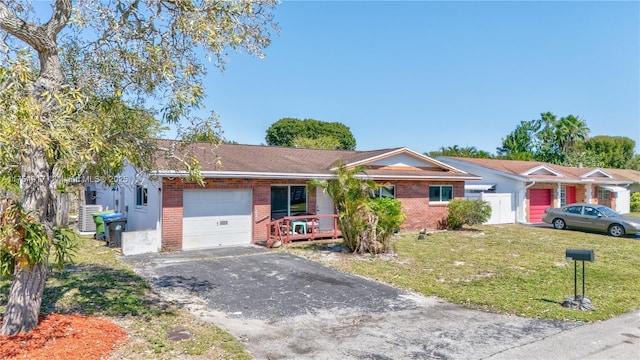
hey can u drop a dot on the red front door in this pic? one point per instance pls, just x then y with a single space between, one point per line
571 194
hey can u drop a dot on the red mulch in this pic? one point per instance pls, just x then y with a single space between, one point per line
64 337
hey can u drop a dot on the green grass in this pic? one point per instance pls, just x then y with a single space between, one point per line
100 285
511 269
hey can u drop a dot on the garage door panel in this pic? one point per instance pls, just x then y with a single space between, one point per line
216 203
539 200
214 218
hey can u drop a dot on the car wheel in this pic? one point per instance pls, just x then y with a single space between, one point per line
559 224
616 230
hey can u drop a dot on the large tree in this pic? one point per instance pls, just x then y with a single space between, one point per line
520 143
549 138
292 132
70 89
614 151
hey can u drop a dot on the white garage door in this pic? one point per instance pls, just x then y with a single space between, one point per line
216 217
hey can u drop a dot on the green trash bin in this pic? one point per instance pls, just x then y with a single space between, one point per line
100 229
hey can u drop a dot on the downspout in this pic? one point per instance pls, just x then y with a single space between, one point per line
526 197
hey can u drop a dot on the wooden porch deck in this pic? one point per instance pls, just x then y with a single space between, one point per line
303 227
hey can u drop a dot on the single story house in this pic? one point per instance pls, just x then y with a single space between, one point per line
249 186
529 187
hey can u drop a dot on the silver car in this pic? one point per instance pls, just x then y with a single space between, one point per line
592 217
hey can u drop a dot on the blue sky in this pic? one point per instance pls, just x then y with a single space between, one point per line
426 74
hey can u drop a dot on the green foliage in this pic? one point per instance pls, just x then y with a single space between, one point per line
36 246
634 163
586 158
23 239
635 202
547 139
456 151
351 192
520 140
284 132
65 243
322 142
615 151
390 218
467 212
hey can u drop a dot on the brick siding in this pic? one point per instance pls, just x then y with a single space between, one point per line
414 196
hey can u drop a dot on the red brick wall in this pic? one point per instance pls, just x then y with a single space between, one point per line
414 196
172 214
172 197
581 193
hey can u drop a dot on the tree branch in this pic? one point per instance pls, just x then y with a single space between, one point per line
21 29
59 18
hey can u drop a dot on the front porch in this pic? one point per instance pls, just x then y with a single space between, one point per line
303 227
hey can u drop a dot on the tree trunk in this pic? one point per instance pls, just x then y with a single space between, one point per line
25 299
25 296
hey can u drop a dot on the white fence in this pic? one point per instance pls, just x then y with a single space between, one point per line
503 207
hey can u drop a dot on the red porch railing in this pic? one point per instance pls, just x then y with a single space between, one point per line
302 227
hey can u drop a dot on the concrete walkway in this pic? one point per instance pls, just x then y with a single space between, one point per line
285 307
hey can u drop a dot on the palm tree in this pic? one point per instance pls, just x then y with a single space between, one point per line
569 130
350 191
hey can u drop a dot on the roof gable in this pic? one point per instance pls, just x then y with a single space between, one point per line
596 173
542 170
403 159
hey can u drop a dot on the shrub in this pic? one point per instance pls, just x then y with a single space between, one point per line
390 217
635 202
467 212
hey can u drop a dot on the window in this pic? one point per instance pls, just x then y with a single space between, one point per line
574 209
603 194
440 193
141 195
588 210
563 196
288 201
385 191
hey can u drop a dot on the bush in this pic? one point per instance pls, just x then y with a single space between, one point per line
390 217
635 202
467 212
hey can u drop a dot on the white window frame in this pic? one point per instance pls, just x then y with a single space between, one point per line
143 191
376 193
603 194
289 186
440 201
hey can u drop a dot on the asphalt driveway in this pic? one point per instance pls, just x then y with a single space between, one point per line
285 307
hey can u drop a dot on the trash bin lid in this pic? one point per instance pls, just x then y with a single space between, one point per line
112 216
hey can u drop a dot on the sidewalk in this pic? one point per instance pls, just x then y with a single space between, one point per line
617 338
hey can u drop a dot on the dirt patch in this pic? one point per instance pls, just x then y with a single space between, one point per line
65 337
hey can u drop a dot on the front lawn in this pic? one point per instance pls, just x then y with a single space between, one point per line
513 269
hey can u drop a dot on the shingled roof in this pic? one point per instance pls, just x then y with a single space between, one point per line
234 160
537 170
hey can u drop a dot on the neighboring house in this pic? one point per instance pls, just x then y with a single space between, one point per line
249 186
529 187
631 175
